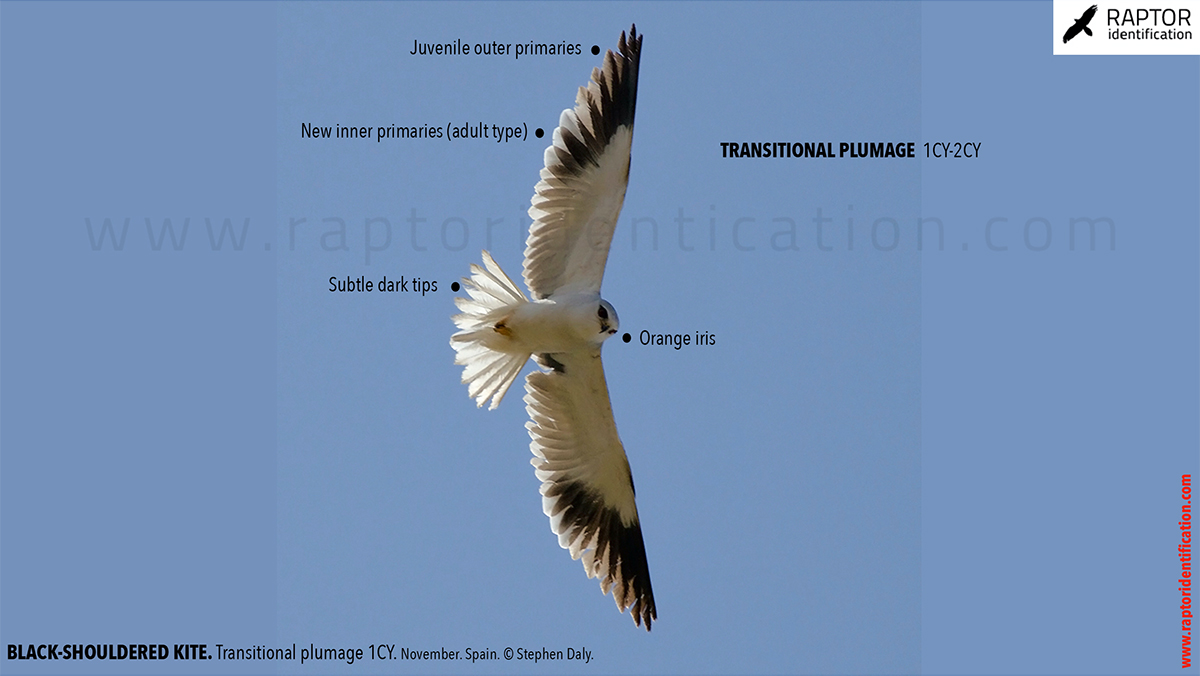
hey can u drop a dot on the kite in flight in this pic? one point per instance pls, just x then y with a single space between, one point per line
1081 24
587 487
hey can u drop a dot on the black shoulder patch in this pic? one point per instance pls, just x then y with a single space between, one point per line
547 361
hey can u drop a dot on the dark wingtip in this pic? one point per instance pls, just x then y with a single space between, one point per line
647 616
611 104
618 549
635 574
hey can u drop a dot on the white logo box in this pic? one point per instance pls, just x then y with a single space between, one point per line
1128 27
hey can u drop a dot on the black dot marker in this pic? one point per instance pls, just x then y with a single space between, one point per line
455 286
595 51
538 132
626 338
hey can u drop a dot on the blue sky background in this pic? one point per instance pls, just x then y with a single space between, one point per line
952 459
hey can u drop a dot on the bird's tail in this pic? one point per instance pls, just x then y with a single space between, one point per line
488 370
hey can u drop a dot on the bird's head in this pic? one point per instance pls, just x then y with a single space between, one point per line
606 315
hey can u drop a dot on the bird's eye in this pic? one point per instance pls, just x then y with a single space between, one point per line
603 313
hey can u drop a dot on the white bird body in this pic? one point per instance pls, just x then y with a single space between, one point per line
553 325
587 487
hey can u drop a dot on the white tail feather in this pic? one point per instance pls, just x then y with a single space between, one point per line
487 372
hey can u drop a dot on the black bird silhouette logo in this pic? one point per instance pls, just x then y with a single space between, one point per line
1081 24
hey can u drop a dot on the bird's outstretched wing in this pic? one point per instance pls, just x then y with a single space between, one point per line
576 203
1081 24
587 488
